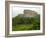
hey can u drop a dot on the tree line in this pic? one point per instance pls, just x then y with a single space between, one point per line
26 20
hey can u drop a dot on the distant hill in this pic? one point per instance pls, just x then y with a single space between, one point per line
28 13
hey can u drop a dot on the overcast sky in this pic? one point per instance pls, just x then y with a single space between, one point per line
18 9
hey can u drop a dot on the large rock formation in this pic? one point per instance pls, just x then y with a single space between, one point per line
29 13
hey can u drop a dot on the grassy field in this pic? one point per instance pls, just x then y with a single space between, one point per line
23 27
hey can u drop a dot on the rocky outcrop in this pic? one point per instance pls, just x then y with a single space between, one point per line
29 13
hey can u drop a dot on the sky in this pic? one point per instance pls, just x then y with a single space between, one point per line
18 9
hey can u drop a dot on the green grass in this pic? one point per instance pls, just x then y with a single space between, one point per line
22 27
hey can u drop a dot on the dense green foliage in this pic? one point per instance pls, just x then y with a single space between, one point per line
26 23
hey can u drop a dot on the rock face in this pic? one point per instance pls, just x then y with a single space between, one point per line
29 13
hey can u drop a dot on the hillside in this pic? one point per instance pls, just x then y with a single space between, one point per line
26 23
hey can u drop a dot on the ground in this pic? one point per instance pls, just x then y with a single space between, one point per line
23 27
